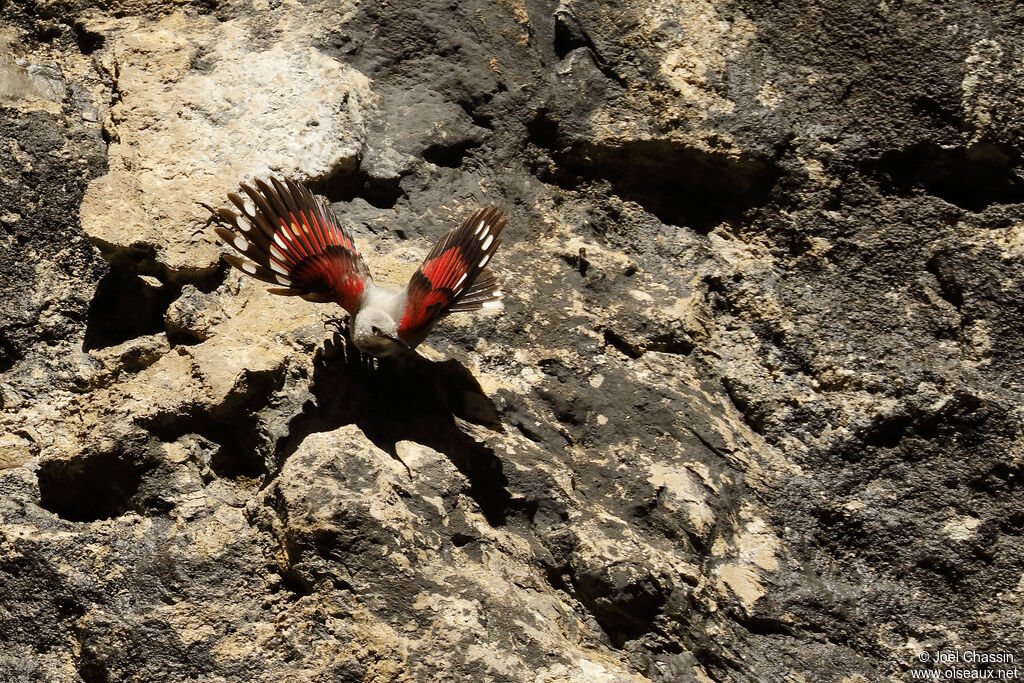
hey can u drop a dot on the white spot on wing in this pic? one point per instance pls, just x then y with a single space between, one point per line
480 228
487 242
460 280
243 224
248 207
484 260
278 268
248 267
491 304
240 243
277 253
283 281
280 240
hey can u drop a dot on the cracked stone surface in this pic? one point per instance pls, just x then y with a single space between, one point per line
752 411
198 108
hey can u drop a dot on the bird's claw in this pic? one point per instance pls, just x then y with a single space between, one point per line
338 324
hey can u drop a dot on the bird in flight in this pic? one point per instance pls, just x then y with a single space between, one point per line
292 239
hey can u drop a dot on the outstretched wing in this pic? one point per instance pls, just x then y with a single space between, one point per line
454 276
293 240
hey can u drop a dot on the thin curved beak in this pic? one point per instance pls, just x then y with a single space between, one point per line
399 340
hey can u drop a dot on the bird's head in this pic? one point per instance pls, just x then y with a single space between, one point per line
376 333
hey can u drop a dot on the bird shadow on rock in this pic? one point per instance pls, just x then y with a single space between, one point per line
404 399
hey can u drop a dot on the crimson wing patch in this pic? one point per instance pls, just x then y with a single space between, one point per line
292 239
454 276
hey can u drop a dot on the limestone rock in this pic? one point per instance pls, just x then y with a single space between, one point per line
750 413
199 109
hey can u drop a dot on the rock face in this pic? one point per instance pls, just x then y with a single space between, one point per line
752 412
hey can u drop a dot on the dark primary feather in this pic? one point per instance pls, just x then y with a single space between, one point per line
485 290
454 276
292 239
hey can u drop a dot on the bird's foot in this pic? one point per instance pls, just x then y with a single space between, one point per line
337 324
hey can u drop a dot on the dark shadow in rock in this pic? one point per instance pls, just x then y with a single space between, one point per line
234 425
88 41
9 355
348 184
972 177
571 35
624 611
125 307
89 487
449 155
407 399
679 184
91 666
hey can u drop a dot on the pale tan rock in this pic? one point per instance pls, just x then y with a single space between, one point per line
15 450
336 478
689 45
27 86
184 136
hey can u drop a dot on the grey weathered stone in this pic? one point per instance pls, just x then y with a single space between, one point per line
752 412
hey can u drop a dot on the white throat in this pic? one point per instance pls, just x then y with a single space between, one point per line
375 332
